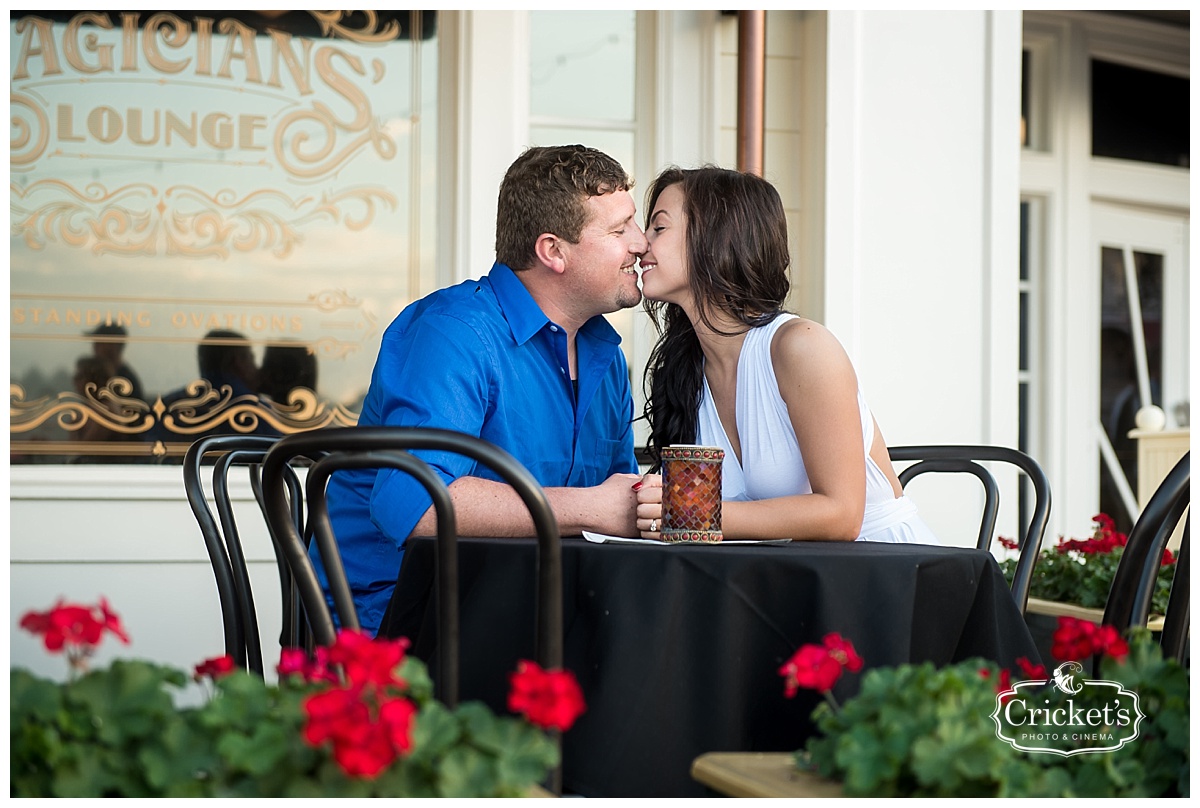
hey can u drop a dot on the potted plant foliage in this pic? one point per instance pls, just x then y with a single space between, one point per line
356 720
1080 572
917 730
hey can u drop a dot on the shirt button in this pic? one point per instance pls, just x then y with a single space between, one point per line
554 328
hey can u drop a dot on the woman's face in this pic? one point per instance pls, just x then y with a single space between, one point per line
664 264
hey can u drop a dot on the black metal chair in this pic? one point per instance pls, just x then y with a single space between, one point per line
1178 622
966 459
386 447
1133 584
222 540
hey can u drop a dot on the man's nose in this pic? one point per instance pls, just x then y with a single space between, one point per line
640 244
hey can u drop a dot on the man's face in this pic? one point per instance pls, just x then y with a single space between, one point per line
602 266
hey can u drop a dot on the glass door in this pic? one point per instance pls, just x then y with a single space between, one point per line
1143 337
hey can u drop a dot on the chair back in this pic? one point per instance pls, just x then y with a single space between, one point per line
223 542
1177 624
379 447
1133 584
966 459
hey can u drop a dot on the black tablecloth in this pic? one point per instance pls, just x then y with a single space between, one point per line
677 648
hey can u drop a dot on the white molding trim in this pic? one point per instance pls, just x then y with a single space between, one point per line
1001 162
1141 184
452 238
493 125
843 131
109 483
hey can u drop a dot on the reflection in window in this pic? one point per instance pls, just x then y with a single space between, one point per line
1025 99
213 216
583 65
1140 115
1119 395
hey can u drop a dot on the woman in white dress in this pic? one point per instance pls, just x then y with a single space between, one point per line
804 458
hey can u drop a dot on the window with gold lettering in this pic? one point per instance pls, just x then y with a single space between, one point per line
213 215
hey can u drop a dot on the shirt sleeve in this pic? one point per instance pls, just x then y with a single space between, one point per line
436 374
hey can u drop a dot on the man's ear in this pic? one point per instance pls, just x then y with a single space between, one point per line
549 250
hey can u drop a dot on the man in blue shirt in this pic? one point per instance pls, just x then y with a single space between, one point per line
522 358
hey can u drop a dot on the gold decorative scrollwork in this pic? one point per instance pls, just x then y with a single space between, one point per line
331 25
29 138
310 158
108 407
333 299
333 348
206 408
135 218
202 409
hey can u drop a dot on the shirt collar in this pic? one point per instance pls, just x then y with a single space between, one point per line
525 318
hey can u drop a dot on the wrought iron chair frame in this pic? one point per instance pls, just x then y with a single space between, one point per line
964 458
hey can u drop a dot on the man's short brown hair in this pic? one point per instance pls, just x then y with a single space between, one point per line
544 191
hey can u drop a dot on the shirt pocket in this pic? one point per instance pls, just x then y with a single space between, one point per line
597 458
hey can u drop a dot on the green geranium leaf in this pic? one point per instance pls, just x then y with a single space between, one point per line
464 774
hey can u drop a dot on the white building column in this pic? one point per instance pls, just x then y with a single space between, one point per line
485 98
921 221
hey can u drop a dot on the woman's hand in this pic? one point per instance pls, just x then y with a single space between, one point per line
649 507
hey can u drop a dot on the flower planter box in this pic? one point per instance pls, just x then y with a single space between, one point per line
760 774
1057 609
1042 618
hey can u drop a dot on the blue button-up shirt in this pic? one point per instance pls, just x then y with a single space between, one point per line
481 358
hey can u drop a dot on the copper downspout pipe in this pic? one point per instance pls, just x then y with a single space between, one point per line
751 78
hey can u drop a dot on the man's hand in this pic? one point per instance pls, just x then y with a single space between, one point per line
613 506
649 507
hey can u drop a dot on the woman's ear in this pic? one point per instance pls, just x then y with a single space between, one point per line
549 249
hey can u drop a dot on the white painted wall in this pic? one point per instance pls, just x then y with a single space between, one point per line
128 534
921 228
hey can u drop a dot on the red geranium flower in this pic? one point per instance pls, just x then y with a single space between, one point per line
1078 639
368 661
215 668
1004 684
396 716
843 652
812 667
76 627
333 714
295 662
1029 670
1011 544
1073 638
548 699
1108 641
112 622
363 750
1105 538
292 661
818 667
1168 557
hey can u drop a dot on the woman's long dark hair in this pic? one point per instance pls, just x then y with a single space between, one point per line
737 263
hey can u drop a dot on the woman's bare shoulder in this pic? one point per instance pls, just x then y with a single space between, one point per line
801 341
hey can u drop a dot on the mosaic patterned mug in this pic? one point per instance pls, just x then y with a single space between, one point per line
691 500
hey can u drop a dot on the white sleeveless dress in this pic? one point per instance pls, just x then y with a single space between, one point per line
771 464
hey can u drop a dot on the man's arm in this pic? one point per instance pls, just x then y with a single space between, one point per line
489 508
